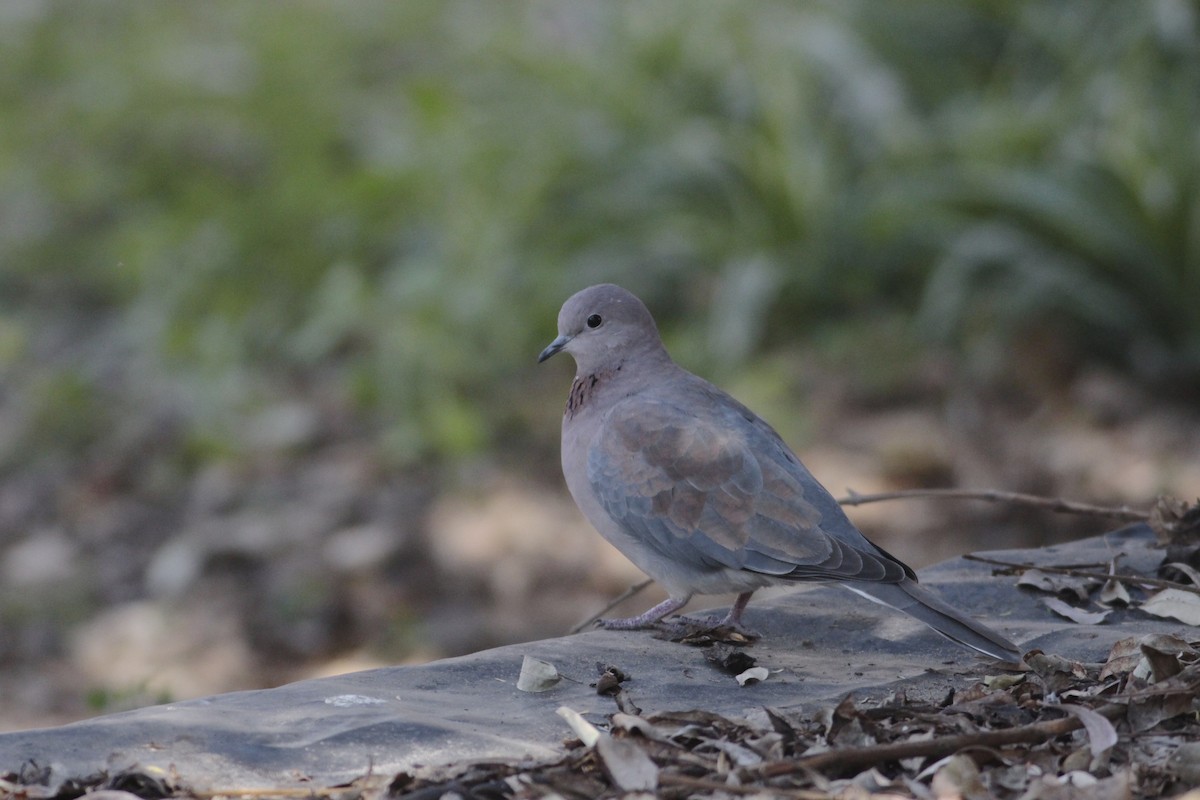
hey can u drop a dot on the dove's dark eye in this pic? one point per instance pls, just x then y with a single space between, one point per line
594 321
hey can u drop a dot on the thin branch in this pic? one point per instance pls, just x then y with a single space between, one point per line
708 785
942 746
625 595
1144 580
315 791
1056 504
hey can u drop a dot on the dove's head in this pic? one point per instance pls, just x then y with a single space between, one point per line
602 327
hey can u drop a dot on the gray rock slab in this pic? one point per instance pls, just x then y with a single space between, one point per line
818 642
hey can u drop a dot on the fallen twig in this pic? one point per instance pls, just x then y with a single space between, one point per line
706 785
941 746
625 595
315 791
1083 573
1056 504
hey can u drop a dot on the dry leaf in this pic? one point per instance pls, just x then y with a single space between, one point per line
1114 593
627 764
1129 656
741 756
1101 733
1184 763
1190 572
1065 585
1080 615
1078 779
1078 759
1170 643
752 675
537 675
1174 604
1162 657
1175 522
1123 658
631 722
728 658
1150 712
700 633
958 779
584 730
1056 672
1080 786
1006 681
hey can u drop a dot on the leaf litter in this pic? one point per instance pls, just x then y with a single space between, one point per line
1126 728
1061 729
1176 525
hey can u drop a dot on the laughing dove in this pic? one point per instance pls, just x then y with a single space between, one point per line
701 494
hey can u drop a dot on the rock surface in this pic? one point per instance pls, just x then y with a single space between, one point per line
818 644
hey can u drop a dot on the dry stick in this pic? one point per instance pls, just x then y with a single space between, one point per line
942 746
1083 573
625 595
316 791
1056 504
702 784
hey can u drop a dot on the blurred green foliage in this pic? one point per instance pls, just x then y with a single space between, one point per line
217 205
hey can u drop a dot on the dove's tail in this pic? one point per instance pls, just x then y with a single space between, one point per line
911 598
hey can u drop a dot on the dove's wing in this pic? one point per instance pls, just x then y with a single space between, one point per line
705 482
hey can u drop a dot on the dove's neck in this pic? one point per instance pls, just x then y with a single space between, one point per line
615 379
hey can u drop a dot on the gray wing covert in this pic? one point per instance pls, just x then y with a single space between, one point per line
716 488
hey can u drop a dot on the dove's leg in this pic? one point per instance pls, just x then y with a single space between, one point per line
648 618
686 625
734 618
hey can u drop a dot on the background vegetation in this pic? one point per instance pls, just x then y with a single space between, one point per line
232 230
394 198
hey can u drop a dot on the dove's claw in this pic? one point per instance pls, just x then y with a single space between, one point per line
646 620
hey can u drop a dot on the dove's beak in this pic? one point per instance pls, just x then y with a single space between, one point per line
554 347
